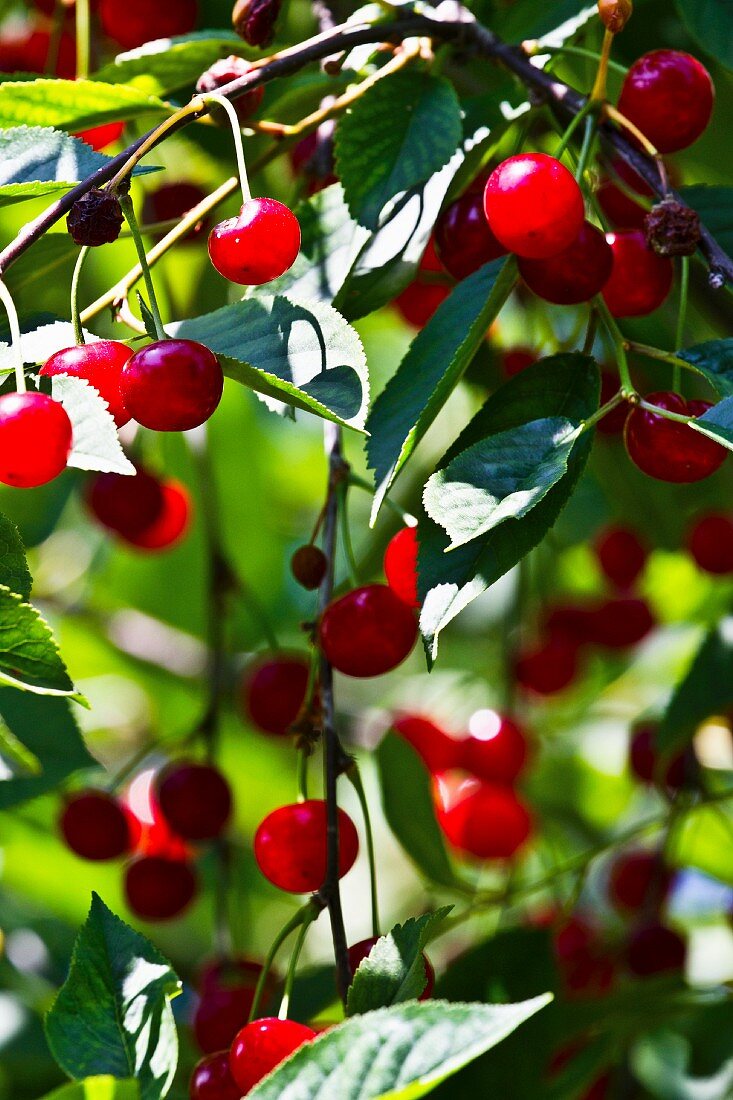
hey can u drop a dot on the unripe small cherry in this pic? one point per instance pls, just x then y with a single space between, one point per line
135 22
262 1045
438 750
172 385
710 543
35 439
419 300
638 881
195 799
212 1079
159 888
481 819
274 691
400 565
309 566
463 238
640 280
360 951
668 95
621 555
647 764
227 994
495 749
666 449
574 275
96 826
655 949
100 364
533 205
367 632
259 245
222 72
291 848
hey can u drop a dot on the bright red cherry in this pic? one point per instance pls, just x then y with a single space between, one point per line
613 422
172 522
99 137
666 449
495 749
195 799
359 951
172 385
640 280
574 275
550 667
227 994
258 245
212 1079
619 623
96 826
533 205
438 750
35 439
418 302
367 632
646 763
638 881
291 849
262 1045
144 511
711 544
481 819
669 96
274 691
400 565
135 22
224 72
463 239
621 555
619 208
655 949
170 202
159 888
100 364
516 360
31 53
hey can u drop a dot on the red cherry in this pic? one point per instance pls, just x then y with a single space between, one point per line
516 360
99 137
619 208
258 245
570 622
621 556
418 302
619 623
533 205
574 275
227 994
549 667
212 1079
481 819
126 505
96 826
582 959
195 799
30 53
171 202
359 951
654 950
35 439
262 1045
158 888
463 239
638 880
100 364
669 96
224 72
135 22
438 750
400 565
668 450
711 544
367 632
496 748
640 280
274 690
156 836
646 764
613 422
172 522
172 385
291 849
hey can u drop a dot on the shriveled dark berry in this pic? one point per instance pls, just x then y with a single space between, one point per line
308 565
615 14
254 20
95 218
672 229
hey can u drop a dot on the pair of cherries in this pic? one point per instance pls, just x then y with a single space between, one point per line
144 511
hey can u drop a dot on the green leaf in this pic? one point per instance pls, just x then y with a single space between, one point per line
714 360
661 1062
40 344
52 257
705 689
502 477
168 64
300 354
397 1053
73 104
703 840
147 316
430 371
376 161
714 204
408 807
96 443
97 1088
717 423
113 1013
15 756
29 657
710 22
394 970
14 572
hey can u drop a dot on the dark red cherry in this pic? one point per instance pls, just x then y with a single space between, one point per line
367 632
640 280
655 949
274 691
172 521
135 22
583 959
262 1045
159 888
638 881
619 208
359 951
711 544
516 360
257 246
31 53
224 72
621 555
291 849
619 623
170 202
481 819
549 667
400 565
35 439
172 385
613 422
438 750
227 994
574 275
125 504
496 747
418 302
99 137
533 205
668 95
647 764
195 799
96 826
100 364
212 1079
463 239
666 449
309 566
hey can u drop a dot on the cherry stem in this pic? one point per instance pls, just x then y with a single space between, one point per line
619 343
354 776
659 353
681 320
346 534
75 318
223 102
128 210
15 337
293 965
588 107
604 410
586 149
312 906
665 413
83 39
598 94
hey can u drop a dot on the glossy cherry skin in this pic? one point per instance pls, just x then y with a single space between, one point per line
481 819
533 205
35 439
290 846
134 22
159 888
621 555
495 749
99 137
367 632
418 302
574 275
172 385
619 623
172 522
96 826
710 543
668 450
125 504
516 360
359 951
669 96
400 565
227 994
438 750
655 949
212 1079
259 245
638 881
262 1045
619 208
550 667
195 799
640 280
274 691
463 239
100 364
647 764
